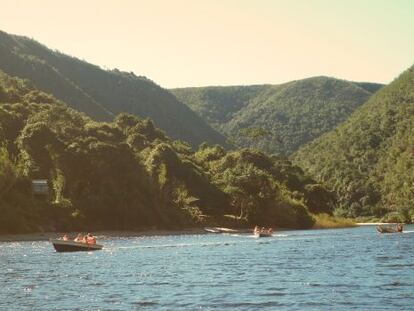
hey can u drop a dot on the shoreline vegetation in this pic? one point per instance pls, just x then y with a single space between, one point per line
129 174
322 221
326 223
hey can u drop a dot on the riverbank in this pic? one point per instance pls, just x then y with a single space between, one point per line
322 221
45 236
374 223
327 223
102 235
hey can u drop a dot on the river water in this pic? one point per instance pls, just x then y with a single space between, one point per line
343 269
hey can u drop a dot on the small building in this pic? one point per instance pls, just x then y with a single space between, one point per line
40 186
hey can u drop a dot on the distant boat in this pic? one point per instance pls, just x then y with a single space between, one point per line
262 232
213 230
390 229
72 246
262 235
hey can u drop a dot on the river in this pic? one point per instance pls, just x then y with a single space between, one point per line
343 269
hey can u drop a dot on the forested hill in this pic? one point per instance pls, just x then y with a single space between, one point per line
277 118
127 174
369 159
101 94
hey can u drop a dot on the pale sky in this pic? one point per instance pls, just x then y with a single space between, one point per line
179 43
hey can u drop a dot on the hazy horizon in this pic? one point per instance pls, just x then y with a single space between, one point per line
219 43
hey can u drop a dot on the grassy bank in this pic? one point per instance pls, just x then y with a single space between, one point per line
325 221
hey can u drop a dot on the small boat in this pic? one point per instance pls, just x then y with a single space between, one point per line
262 232
390 229
72 246
213 230
263 235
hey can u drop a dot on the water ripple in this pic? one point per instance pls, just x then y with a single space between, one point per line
345 269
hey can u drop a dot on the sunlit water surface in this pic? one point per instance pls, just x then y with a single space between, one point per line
341 269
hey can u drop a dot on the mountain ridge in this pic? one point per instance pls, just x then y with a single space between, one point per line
278 112
99 93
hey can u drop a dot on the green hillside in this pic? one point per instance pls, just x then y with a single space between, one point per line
101 94
277 118
127 174
216 104
368 161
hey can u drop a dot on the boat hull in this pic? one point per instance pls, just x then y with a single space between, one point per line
263 235
212 230
387 229
71 246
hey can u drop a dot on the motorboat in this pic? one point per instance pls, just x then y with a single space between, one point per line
263 235
72 246
212 230
262 232
398 228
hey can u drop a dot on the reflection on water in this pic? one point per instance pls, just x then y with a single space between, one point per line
294 270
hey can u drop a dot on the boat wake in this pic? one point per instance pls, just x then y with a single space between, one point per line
181 245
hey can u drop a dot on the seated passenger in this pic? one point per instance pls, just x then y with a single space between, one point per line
79 238
90 239
65 237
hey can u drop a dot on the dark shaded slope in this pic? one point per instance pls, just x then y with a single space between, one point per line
99 93
17 60
369 86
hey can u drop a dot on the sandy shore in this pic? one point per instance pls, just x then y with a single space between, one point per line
374 223
102 235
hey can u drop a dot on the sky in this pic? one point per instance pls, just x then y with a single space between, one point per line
182 43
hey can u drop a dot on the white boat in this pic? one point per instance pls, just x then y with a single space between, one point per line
72 246
213 230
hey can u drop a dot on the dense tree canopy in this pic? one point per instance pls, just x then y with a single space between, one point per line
277 118
368 160
128 174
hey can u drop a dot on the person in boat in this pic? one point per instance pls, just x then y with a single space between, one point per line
256 230
270 231
399 227
90 239
79 238
65 237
